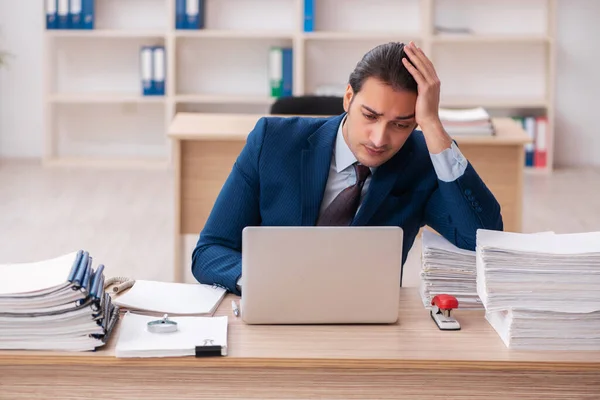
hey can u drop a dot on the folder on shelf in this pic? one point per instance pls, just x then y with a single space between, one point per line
309 15
541 145
51 14
146 61
180 9
75 21
194 14
63 14
195 336
158 70
275 71
87 14
529 126
281 71
287 66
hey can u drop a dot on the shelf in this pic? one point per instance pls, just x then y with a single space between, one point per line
505 63
107 33
460 38
223 67
331 35
380 16
223 99
458 102
77 98
234 34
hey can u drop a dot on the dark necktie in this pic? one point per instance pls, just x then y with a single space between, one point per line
342 209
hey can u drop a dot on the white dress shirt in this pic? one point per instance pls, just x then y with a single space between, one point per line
449 165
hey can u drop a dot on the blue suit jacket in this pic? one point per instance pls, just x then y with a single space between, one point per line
280 176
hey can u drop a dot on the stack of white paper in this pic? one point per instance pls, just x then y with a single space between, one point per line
56 304
547 330
447 269
192 334
171 298
471 121
541 291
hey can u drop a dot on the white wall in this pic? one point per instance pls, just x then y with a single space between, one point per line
577 86
21 114
577 140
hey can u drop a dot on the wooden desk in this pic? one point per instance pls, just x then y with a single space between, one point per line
411 359
206 146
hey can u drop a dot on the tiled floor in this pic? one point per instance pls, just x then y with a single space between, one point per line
124 217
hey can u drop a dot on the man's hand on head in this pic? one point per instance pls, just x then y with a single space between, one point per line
428 98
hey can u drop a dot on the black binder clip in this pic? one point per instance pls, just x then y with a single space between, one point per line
209 349
164 325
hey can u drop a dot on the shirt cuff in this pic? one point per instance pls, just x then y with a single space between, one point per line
239 284
450 164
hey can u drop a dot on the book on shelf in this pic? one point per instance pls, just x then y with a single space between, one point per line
281 71
189 14
536 152
70 14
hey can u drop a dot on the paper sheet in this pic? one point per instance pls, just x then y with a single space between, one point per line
136 341
171 298
35 276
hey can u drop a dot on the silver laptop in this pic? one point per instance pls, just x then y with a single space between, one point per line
321 275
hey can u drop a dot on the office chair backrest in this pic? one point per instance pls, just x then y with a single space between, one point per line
308 105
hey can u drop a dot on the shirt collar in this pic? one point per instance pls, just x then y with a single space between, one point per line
343 156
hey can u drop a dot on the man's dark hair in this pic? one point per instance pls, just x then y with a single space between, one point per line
384 62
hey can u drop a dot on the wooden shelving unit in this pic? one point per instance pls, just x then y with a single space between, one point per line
506 64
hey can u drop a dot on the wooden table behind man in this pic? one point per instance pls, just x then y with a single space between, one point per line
206 146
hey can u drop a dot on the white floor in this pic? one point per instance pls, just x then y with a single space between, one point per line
124 217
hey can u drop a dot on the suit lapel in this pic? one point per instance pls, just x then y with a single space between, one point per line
382 183
315 163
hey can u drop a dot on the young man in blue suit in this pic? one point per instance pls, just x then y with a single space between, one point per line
368 166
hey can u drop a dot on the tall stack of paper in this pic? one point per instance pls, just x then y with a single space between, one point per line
56 304
471 121
541 291
447 269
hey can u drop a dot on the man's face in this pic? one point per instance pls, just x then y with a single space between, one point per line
379 121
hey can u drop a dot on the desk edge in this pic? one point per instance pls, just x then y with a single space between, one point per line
300 363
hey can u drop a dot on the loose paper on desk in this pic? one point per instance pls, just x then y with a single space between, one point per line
136 341
172 298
